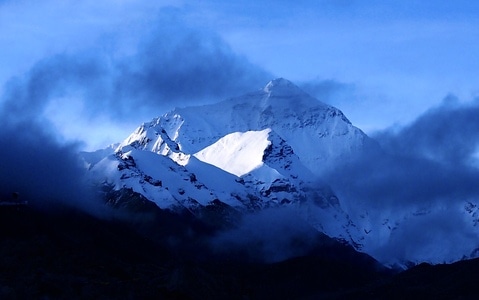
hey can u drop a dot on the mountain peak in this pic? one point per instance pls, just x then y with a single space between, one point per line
282 87
278 82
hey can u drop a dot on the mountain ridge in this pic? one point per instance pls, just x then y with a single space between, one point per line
265 149
239 152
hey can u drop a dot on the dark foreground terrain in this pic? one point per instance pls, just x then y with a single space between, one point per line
67 254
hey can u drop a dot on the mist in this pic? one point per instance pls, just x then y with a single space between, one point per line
432 159
418 239
422 175
80 99
170 65
43 172
270 235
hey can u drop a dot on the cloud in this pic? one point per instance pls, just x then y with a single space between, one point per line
419 238
26 98
270 235
43 172
448 134
430 160
420 176
172 65
178 64
35 164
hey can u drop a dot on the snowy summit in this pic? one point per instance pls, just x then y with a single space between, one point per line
267 148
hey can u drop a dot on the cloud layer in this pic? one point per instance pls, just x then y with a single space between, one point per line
43 172
270 235
173 65
430 160
421 176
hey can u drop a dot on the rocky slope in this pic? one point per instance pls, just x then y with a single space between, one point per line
266 149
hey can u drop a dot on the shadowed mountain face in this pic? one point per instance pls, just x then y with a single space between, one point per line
445 281
72 255
68 254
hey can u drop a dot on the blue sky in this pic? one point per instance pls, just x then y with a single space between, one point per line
383 63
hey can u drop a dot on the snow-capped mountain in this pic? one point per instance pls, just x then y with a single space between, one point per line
265 149
318 133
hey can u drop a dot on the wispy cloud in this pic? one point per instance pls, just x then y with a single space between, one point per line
426 169
171 65
43 172
429 160
270 235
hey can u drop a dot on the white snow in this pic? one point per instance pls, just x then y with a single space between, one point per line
237 153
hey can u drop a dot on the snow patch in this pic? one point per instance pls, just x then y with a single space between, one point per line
237 153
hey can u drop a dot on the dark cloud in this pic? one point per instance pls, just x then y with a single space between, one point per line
173 65
448 134
179 64
34 163
43 172
270 235
428 161
53 77
419 179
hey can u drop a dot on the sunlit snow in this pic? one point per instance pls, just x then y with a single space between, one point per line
237 153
